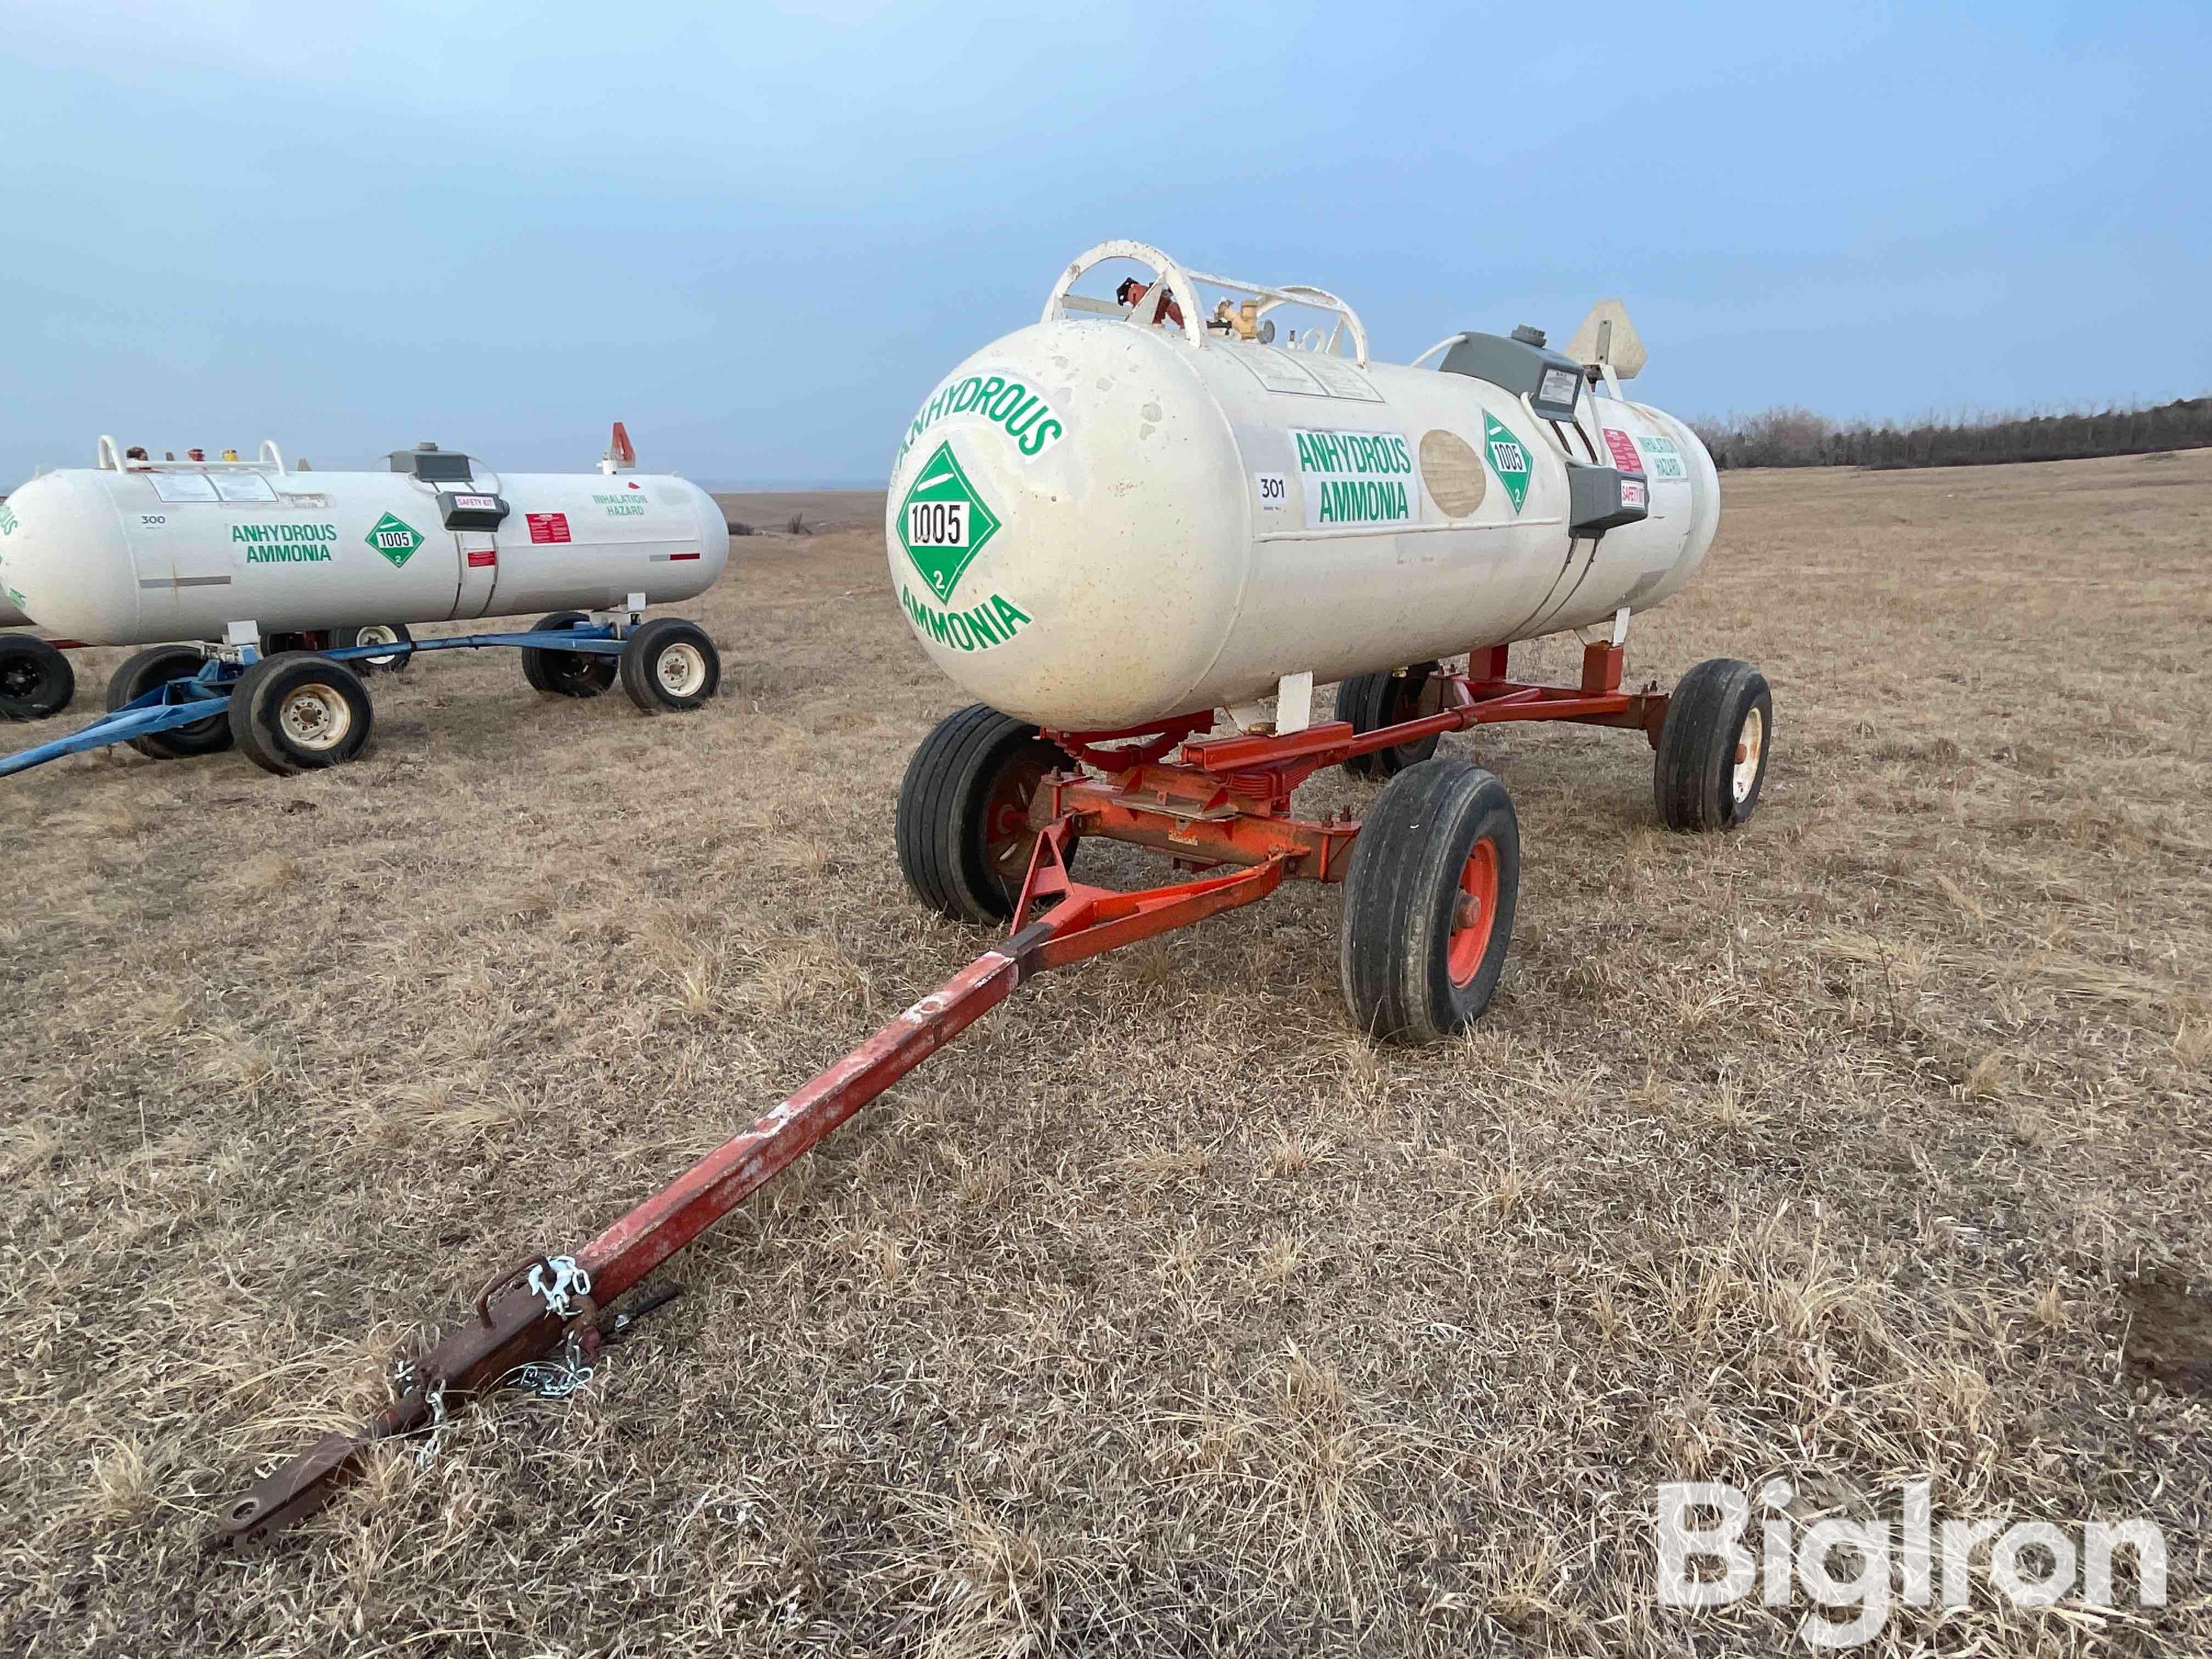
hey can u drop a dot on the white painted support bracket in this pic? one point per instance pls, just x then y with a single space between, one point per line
1290 709
240 642
1618 636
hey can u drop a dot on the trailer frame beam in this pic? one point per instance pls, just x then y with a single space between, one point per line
197 698
514 1324
1225 803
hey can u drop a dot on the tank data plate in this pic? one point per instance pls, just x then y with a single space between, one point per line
1304 375
213 487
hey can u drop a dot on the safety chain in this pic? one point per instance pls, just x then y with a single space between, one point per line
556 1378
435 1400
567 1276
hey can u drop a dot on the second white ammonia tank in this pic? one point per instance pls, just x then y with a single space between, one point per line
127 553
10 617
1095 523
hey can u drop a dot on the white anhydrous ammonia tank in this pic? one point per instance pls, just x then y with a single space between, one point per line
127 553
10 616
1099 522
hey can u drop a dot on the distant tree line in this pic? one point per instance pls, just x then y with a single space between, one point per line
1798 437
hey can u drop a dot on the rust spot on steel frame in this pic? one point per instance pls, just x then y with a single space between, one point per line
1312 851
1116 753
464 1362
512 1277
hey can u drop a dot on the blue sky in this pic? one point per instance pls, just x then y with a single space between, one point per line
761 234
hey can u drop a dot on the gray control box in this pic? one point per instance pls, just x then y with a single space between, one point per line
1522 365
464 510
1601 497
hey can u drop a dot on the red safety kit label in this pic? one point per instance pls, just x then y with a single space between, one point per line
548 526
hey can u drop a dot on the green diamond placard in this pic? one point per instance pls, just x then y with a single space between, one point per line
395 539
943 522
1508 459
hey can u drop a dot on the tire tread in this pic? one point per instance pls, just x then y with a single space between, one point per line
256 737
55 681
141 673
937 797
636 660
536 660
1692 768
1414 843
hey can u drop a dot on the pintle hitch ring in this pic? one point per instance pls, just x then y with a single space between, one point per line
518 1274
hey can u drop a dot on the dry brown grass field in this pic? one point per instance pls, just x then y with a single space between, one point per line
1162 1314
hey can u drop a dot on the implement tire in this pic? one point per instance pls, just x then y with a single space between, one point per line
1428 903
36 680
1372 701
376 634
964 840
566 673
1713 749
149 669
669 664
300 713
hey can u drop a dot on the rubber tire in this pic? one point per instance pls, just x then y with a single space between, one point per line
1372 701
1402 895
260 691
942 803
566 673
1693 772
640 659
141 674
344 638
44 680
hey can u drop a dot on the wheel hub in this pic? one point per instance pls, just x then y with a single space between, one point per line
1474 913
682 670
1750 746
315 718
1008 836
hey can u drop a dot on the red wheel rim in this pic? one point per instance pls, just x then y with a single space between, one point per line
1474 909
1008 838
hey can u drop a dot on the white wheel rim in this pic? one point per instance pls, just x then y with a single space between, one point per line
682 670
1750 749
377 634
315 718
